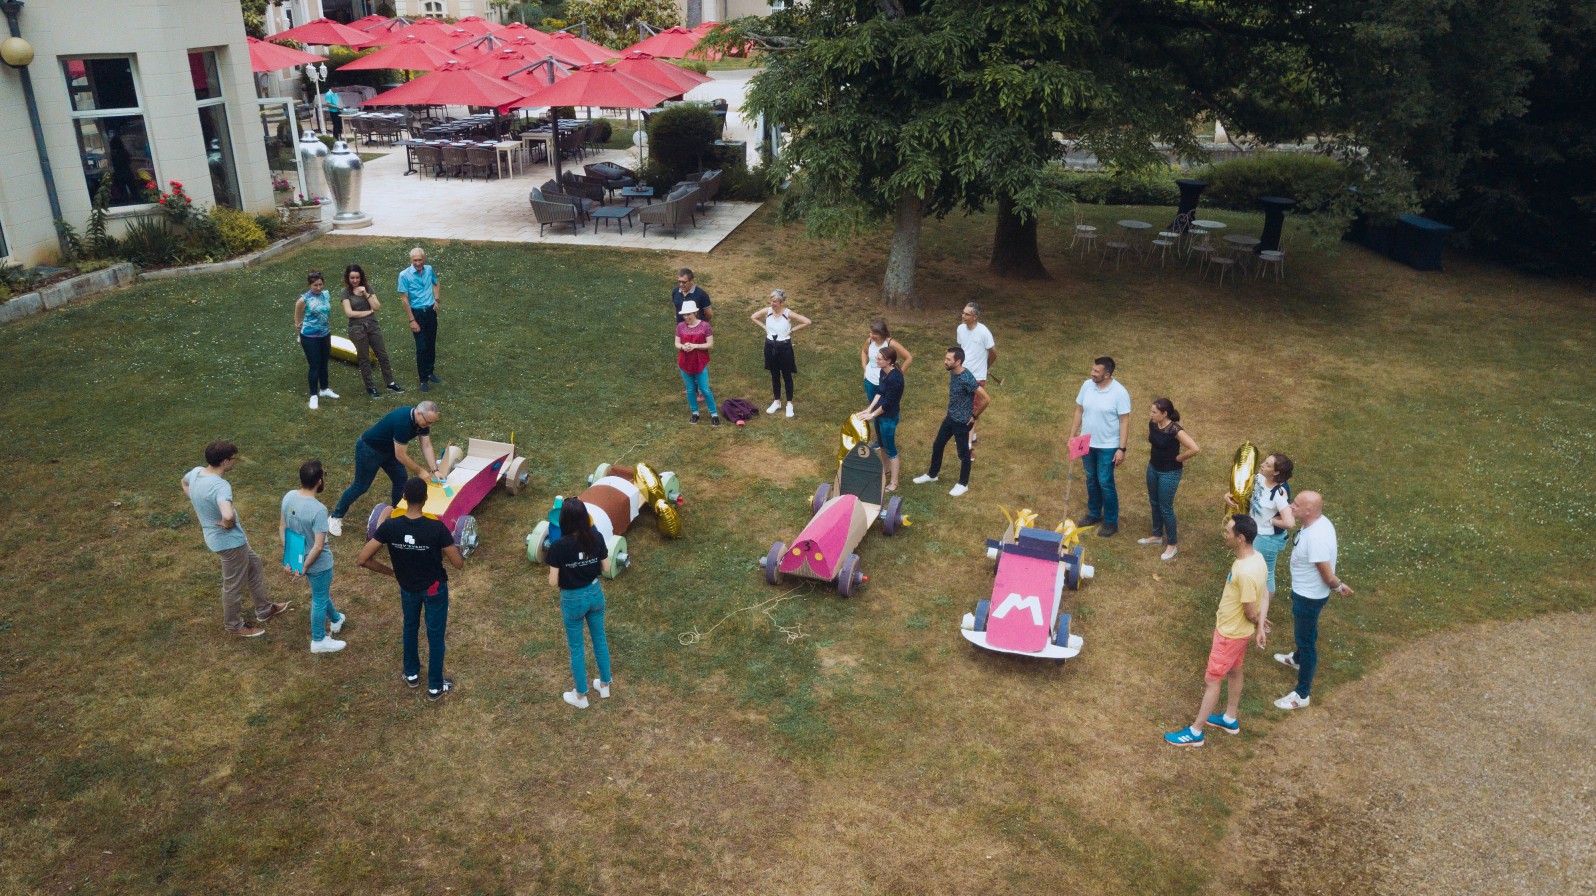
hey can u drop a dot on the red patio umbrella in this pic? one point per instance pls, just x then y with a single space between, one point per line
515 28
452 84
503 63
428 30
383 27
478 25
482 46
268 57
672 43
325 32
411 53
642 65
566 46
364 22
544 71
452 37
599 85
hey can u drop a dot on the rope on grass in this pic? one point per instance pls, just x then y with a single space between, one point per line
792 632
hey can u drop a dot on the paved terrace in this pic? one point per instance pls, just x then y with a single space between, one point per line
497 210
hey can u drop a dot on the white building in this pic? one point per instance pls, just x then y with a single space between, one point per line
148 91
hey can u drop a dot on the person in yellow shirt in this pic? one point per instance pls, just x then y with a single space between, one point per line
1243 616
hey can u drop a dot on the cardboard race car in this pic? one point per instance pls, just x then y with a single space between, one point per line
615 497
844 510
467 478
1034 567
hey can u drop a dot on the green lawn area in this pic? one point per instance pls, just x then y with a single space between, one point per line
808 745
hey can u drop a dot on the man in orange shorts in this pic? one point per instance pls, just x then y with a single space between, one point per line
1243 616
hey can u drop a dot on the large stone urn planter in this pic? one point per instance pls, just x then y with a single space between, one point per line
309 214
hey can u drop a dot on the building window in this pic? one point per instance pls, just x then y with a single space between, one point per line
432 7
109 122
4 252
213 127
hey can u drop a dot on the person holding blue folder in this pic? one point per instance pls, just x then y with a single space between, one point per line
303 530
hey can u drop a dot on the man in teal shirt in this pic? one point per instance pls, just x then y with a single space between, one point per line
419 285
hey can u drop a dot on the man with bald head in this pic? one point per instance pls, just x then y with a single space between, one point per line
418 285
1313 579
385 447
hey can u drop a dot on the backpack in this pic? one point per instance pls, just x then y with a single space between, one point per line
738 410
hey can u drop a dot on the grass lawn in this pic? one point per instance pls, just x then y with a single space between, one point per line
800 745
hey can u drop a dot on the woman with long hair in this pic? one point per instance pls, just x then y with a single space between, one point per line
884 407
361 306
314 333
1172 447
575 562
1270 509
879 338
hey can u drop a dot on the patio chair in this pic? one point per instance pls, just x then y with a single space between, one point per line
429 160
570 145
1275 258
613 176
707 184
676 208
455 161
581 185
549 212
583 204
1084 234
358 128
482 160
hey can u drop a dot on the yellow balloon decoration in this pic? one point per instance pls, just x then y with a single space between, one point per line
653 491
854 432
1243 471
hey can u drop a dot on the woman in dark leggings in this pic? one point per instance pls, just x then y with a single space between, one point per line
779 324
314 333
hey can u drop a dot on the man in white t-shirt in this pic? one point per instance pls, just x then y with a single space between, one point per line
1313 579
1101 409
980 350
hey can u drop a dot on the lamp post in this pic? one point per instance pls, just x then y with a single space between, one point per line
18 53
317 75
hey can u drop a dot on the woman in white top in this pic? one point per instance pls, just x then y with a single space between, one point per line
880 337
1271 509
779 323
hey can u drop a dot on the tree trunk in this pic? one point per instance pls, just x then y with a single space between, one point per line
1014 252
897 287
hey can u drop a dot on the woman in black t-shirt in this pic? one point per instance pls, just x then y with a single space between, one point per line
575 562
1172 446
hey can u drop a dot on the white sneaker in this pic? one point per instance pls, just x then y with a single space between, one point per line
1151 539
337 625
328 393
1292 701
958 490
314 403
923 478
326 645
774 407
1287 659
577 700
335 526
973 437
789 409
603 689
1169 553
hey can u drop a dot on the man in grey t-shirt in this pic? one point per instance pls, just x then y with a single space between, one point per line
212 496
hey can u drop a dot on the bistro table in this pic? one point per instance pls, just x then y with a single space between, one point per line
506 150
617 213
1209 225
1133 233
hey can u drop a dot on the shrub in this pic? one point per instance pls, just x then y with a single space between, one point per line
1155 187
744 185
679 138
338 57
1315 181
605 129
149 241
271 225
237 231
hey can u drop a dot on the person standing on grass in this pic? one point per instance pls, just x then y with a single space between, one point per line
780 323
694 339
575 562
966 401
303 514
314 332
1101 408
880 337
385 447
211 494
1171 446
1313 579
884 408
360 307
688 291
1270 508
1243 606
418 285
980 349
417 546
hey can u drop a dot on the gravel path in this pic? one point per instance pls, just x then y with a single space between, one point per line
1465 764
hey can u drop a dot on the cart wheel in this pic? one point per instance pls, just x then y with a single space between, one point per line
1072 569
822 492
670 522
602 471
516 475
982 608
892 517
465 534
537 544
672 486
773 562
379 515
619 559
849 576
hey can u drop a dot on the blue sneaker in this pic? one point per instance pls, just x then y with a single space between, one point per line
1218 720
1184 738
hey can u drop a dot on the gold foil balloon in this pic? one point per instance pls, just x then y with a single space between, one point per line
648 483
653 490
670 523
1243 473
854 433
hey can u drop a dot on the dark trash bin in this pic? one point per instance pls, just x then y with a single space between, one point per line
1418 242
731 153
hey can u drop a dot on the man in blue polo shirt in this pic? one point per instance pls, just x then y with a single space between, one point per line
419 285
384 447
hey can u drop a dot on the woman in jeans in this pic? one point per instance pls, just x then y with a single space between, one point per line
575 562
694 339
314 333
1172 447
884 407
880 337
361 306
1270 509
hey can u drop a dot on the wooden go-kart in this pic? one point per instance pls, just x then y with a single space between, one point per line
1034 567
466 479
824 549
615 497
